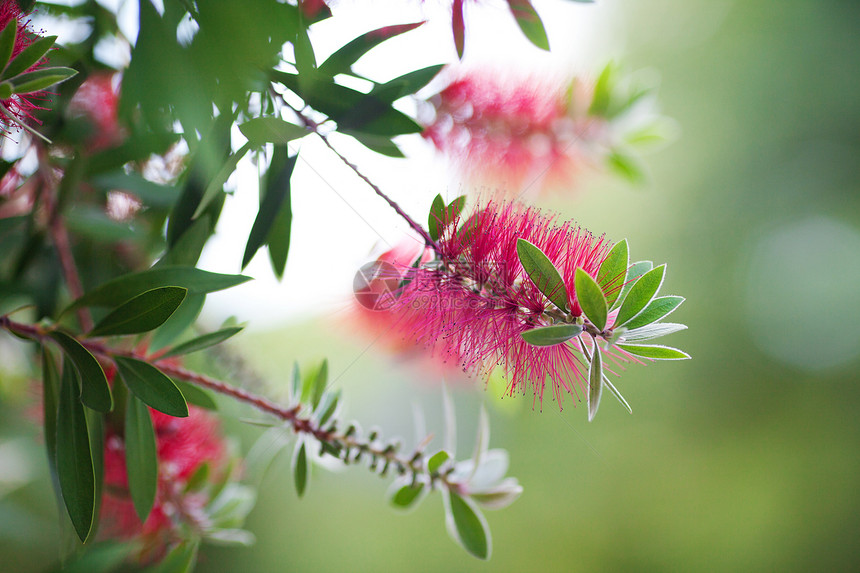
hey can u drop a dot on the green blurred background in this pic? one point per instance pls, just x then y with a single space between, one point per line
742 459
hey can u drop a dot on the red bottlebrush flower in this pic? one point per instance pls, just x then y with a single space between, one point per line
517 132
184 445
19 106
472 306
96 102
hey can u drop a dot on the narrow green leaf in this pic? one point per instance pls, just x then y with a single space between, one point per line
590 298
542 273
180 559
152 194
655 351
216 185
151 385
467 526
204 341
7 41
617 394
627 166
142 313
141 458
196 395
188 247
270 208
551 335
651 331
40 79
74 459
278 179
613 272
407 84
262 130
121 289
96 433
319 384
595 382
28 57
296 383
435 217
603 91
342 60
301 469
436 460
640 295
379 144
184 317
406 496
198 479
529 22
50 402
635 271
94 391
657 309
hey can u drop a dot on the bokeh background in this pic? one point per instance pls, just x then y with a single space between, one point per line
742 459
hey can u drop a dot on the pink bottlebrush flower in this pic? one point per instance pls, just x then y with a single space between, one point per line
97 102
183 446
471 307
517 132
19 106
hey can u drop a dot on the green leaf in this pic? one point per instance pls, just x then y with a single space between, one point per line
28 57
141 459
435 217
179 322
655 351
50 401
278 179
590 298
640 295
216 185
270 208
613 271
595 382
651 331
529 22
436 460
467 526
40 79
7 41
196 395
617 394
151 385
188 247
342 60
142 313
262 130
627 166
543 273
121 289
180 559
635 271
198 478
406 496
603 91
407 84
551 335
94 391
202 342
320 383
301 469
328 404
74 458
657 309
379 144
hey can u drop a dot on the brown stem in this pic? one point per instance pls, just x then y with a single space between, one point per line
414 464
314 126
60 236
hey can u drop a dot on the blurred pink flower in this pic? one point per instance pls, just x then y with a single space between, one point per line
96 102
517 132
